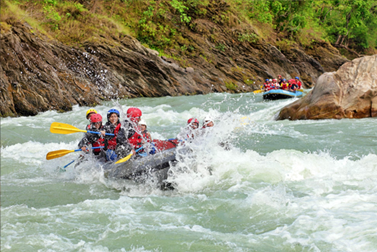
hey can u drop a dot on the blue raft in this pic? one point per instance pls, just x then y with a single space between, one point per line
276 94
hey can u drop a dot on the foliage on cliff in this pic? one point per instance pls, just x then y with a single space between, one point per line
350 25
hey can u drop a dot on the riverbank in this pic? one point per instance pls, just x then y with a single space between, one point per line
40 72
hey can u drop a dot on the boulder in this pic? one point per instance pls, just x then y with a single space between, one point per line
350 92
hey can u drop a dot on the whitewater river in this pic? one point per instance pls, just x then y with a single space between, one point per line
283 185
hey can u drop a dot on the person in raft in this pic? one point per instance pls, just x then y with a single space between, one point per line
89 113
112 126
207 125
276 84
293 86
208 122
280 79
190 131
129 137
95 140
146 135
285 85
298 82
266 85
148 145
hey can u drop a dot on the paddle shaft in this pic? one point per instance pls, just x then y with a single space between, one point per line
95 132
91 148
68 164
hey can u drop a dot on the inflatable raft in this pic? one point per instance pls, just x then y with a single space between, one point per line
276 94
140 167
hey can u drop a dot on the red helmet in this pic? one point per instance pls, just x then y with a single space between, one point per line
133 113
193 120
96 118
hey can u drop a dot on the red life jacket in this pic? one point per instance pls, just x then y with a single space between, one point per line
112 143
299 84
99 143
284 85
146 137
136 139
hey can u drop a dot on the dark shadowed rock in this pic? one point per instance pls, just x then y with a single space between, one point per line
350 92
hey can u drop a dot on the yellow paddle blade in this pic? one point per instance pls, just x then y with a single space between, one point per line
57 154
63 128
124 159
257 91
301 90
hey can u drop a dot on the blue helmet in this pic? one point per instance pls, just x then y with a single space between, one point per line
266 79
284 79
112 111
297 78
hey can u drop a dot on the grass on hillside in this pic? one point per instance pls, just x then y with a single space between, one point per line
163 24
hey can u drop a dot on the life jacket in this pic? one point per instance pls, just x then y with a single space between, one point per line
99 143
299 84
284 85
112 143
136 139
145 136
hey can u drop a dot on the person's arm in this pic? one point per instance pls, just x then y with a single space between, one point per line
107 128
84 142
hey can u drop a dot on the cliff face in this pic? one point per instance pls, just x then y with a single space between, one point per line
37 74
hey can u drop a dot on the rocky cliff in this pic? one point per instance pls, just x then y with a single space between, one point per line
39 74
350 92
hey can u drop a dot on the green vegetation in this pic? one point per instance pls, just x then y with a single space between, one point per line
230 85
351 24
164 25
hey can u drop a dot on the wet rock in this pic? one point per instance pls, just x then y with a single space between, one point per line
350 92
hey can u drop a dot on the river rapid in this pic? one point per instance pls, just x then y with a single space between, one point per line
282 185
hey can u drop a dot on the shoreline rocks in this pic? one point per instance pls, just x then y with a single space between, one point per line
350 92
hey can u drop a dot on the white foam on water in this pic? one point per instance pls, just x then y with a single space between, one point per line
286 199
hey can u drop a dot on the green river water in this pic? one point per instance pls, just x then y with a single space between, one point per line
282 186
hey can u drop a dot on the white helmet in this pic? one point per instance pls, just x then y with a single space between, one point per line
142 122
208 118
270 79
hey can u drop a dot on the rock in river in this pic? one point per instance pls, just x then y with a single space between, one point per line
350 92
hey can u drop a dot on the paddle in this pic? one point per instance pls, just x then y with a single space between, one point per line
68 164
259 91
60 153
64 128
122 160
